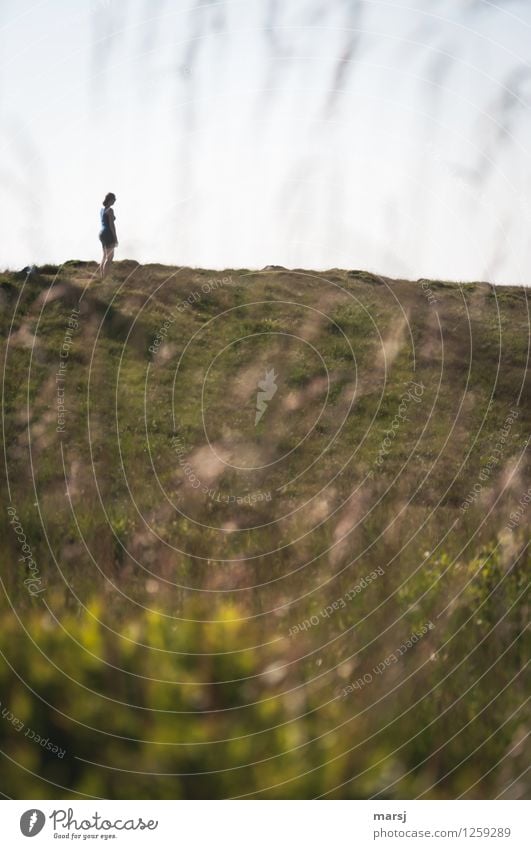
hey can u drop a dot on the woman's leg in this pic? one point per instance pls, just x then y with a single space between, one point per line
108 254
101 265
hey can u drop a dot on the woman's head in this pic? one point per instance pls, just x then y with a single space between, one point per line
109 199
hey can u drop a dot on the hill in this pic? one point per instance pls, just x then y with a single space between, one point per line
266 536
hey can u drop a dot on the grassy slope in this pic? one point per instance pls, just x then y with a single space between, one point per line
134 558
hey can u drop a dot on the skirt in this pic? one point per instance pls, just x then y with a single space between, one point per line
107 239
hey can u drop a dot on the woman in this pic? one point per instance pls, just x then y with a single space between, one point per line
107 233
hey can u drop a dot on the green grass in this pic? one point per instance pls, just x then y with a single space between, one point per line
159 656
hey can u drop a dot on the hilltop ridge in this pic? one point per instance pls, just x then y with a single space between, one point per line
289 506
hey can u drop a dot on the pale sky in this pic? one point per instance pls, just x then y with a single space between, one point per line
388 136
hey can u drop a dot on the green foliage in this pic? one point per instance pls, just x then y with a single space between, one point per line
165 657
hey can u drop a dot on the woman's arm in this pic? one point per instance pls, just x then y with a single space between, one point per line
111 224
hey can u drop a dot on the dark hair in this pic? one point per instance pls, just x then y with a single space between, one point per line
109 198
